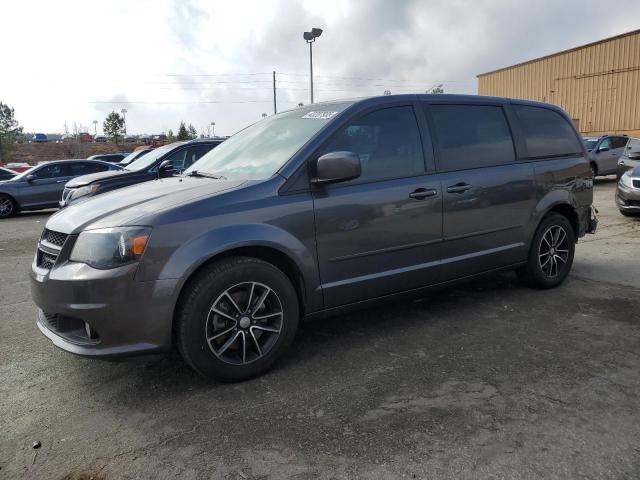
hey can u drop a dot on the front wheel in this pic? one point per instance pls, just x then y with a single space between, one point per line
237 317
551 254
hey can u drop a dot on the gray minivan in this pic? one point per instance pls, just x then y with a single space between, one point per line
312 212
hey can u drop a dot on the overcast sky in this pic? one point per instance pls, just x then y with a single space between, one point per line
211 60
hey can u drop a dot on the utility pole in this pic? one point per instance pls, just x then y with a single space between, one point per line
95 128
275 109
213 129
124 118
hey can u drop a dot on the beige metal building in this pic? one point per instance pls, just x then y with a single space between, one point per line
597 84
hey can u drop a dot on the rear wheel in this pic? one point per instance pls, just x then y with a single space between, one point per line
7 206
551 254
238 317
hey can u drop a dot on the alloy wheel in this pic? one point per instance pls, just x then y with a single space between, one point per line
6 207
553 253
244 323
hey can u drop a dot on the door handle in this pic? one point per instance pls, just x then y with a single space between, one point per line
59 181
422 193
459 188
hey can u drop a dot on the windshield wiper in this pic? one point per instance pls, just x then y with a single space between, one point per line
195 173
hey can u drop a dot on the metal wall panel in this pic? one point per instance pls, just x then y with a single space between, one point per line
597 84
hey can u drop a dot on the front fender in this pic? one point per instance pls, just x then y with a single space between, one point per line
190 255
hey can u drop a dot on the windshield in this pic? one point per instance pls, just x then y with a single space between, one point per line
590 143
132 156
149 159
258 151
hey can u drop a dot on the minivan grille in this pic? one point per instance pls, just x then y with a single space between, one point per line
46 260
51 244
55 238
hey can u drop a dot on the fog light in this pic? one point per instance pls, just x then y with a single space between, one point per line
91 333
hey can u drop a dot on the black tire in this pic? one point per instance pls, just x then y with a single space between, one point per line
629 214
538 273
243 278
8 206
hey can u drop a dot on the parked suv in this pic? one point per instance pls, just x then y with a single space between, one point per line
164 161
310 212
604 153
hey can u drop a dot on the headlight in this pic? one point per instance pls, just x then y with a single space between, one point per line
110 247
83 191
625 179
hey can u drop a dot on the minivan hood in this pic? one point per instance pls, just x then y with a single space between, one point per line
83 180
133 205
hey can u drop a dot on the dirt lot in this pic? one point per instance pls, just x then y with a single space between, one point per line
485 380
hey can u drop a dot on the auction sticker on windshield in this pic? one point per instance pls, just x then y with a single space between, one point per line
319 115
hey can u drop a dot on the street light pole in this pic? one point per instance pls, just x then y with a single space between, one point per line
95 128
213 129
310 37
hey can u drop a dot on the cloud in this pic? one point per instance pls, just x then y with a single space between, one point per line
202 60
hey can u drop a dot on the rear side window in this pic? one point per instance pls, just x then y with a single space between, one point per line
82 168
547 133
471 136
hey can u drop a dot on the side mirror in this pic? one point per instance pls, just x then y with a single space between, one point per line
603 149
165 169
30 178
337 167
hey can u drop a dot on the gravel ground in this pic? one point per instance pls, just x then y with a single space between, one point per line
485 380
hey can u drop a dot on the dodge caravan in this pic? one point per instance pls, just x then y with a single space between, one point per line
311 212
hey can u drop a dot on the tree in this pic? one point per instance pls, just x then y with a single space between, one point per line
183 133
10 130
113 126
170 136
192 132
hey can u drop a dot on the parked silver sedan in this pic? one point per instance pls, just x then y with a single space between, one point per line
604 153
41 186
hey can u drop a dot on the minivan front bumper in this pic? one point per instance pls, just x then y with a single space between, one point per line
102 313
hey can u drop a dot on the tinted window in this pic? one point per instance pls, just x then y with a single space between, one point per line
82 168
619 142
177 159
51 171
195 153
472 136
387 141
547 133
